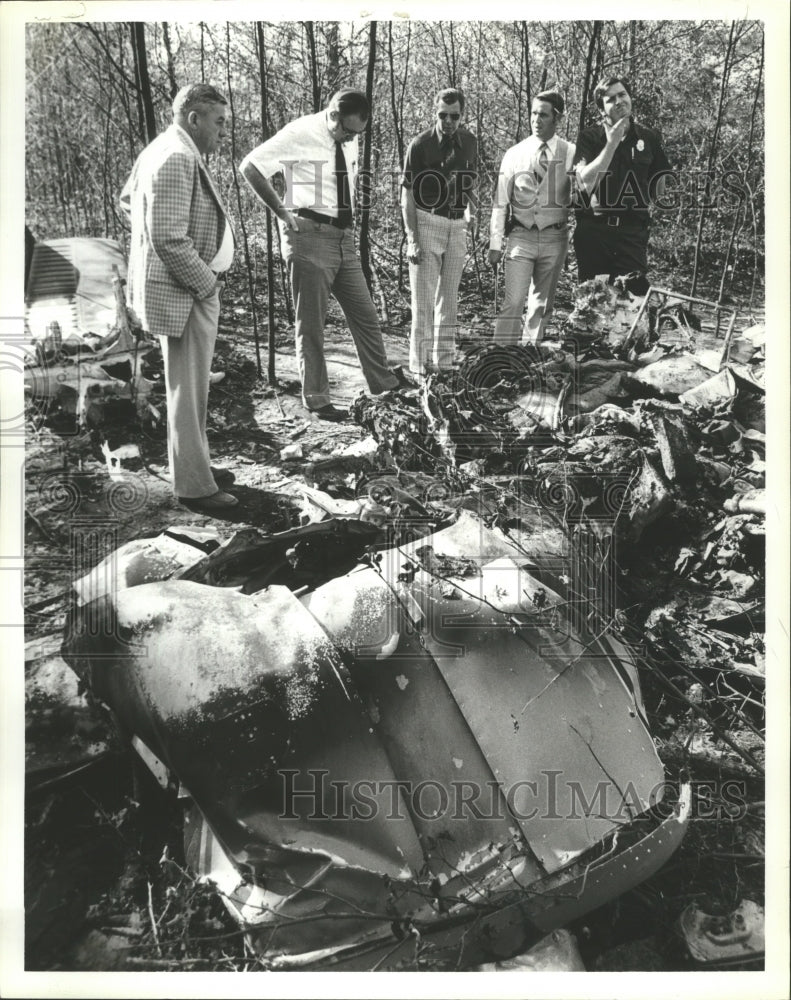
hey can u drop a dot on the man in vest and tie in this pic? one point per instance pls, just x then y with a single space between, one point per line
534 188
317 155
181 245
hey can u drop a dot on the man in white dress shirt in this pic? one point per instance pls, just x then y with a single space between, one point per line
534 187
317 155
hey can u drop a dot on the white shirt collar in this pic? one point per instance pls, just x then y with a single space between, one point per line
534 144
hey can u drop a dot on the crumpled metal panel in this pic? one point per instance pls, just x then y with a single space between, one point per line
557 721
71 282
227 715
515 921
455 802
399 674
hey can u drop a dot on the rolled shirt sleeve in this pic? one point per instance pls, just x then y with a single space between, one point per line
304 152
270 156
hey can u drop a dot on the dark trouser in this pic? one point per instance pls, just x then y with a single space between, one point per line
612 250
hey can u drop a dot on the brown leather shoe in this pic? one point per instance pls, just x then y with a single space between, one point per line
212 504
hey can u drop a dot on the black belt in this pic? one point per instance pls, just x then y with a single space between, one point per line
552 225
328 220
616 219
454 214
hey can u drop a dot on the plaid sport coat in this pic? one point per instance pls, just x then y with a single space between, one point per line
177 227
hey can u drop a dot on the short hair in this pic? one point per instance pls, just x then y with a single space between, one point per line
604 85
554 98
451 95
195 97
350 102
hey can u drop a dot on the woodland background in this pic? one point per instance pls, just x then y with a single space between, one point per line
97 93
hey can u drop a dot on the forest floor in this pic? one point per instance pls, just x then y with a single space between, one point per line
98 867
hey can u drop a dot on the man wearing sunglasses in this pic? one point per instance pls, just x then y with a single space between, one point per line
439 202
317 155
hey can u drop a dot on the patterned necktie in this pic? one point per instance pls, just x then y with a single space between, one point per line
543 163
342 187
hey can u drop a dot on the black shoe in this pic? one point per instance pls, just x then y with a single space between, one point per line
223 477
406 380
331 413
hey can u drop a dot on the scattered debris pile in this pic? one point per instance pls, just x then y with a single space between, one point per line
354 798
644 431
465 608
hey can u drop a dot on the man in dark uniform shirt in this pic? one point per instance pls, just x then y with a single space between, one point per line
438 201
621 168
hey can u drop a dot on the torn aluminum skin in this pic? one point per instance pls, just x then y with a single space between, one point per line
420 753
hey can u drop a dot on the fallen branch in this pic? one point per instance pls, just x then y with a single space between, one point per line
745 755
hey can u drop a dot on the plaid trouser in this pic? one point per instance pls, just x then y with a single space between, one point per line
533 262
435 291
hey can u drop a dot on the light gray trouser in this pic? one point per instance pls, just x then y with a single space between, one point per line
533 262
187 367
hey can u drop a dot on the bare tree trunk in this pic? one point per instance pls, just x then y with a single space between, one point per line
146 102
314 65
333 72
202 54
450 54
171 68
270 262
250 285
397 125
726 69
586 87
526 51
521 85
749 161
365 173
632 48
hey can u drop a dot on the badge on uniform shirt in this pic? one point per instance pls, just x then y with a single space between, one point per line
640 145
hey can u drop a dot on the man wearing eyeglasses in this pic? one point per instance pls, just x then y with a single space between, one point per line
317 155
439 202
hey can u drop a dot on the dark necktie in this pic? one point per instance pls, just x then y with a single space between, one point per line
342 187
543 162
446 148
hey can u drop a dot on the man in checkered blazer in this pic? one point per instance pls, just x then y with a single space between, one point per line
180 247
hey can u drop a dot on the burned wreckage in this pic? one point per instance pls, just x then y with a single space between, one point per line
421 749
404 743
